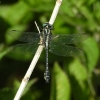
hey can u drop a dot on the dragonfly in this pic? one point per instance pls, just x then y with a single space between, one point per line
59 44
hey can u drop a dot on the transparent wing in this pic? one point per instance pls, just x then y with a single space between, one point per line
69 39
63 50
24 36
25 48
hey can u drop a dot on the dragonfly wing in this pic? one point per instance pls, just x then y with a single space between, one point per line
25 48
63 50
69 39
24 36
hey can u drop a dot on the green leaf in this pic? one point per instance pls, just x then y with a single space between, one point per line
85 11
38 6
91 23
60 89
67 8
78 78
90 2
78 70
92 52
17 13
96 10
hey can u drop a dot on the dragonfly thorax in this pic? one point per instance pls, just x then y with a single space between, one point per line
46 34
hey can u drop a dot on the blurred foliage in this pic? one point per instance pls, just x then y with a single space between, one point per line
72 78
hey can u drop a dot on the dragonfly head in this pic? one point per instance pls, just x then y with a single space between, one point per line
47 26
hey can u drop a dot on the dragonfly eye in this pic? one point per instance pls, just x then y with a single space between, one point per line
48 26
44 25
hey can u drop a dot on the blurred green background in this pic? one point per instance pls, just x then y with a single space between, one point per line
72 78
